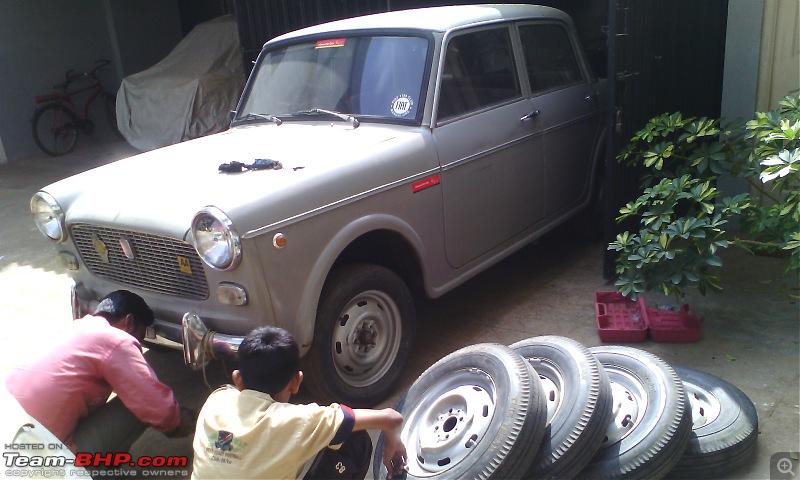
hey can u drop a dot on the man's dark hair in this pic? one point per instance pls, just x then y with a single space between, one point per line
114 306
268 358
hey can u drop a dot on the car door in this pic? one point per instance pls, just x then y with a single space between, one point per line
569 111
489 147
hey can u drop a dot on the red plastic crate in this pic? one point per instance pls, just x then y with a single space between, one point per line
674 326
620 319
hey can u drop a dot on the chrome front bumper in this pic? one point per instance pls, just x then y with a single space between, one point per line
200 345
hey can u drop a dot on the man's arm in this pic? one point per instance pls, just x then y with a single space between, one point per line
187 424
390 422
137 385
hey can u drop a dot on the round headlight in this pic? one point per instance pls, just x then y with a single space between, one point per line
215 240
48 216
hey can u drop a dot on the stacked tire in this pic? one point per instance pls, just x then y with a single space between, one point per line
549 408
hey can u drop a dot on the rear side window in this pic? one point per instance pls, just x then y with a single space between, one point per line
549 58
478 72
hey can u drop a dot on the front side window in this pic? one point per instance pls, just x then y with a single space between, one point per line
549 58
378 77
478 72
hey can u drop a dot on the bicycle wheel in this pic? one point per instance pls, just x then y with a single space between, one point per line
110 105
55 129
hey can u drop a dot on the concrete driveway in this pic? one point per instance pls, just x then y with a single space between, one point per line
750 335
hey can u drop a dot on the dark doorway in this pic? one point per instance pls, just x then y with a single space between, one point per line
667 56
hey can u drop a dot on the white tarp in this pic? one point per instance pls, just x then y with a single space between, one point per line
189 93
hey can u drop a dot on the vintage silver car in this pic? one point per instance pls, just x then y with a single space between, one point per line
368 160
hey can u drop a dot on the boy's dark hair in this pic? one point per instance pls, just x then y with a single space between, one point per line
268 358
114 306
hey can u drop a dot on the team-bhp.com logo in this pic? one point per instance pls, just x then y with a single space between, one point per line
21 462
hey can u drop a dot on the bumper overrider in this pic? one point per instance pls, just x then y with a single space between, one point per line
200 345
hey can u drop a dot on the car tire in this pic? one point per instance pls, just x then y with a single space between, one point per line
652 419
475 414
578 396
725 427
364 331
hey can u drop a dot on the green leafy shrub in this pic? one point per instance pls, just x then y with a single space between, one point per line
682 217
774 160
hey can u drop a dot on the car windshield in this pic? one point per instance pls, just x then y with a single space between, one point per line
372 77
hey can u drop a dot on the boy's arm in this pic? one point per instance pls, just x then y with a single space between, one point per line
386 420
390 423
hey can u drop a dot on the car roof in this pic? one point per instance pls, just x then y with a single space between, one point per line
434 19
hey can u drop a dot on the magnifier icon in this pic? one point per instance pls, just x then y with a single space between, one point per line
784 466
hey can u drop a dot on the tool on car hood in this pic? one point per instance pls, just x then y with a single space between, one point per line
258 164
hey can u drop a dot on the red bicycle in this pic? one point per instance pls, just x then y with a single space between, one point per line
57 123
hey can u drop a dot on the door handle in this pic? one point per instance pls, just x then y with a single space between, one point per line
529 116
592 96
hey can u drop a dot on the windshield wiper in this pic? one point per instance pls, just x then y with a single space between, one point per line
343 116
264 116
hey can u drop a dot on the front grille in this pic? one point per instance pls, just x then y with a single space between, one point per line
159 264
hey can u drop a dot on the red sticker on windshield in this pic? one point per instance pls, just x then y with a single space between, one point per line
334 42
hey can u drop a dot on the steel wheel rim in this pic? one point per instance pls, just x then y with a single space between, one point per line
451 418
553 385
630 402
705 405
366 338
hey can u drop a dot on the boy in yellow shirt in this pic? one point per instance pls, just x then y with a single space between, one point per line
249 430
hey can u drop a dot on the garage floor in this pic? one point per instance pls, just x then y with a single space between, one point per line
750 334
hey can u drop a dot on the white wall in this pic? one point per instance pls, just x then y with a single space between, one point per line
41 39
740 77
779 74
742 53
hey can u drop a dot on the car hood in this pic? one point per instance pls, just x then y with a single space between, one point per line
160 191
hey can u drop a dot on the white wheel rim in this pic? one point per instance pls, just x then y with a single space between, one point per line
705 405
553 385
629 404
450 420
366 338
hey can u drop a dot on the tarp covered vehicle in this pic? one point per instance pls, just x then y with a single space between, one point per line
189 93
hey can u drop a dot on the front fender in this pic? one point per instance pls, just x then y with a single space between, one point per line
309 300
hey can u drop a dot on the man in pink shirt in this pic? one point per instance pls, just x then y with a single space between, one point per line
67 389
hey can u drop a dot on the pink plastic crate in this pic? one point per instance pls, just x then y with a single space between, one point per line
674 326
619 319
